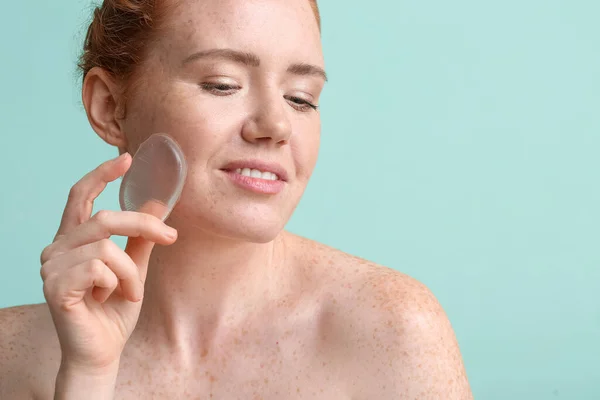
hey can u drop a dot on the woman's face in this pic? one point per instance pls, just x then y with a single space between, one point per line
234 83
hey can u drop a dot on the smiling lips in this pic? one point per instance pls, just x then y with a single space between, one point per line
257 176
255 173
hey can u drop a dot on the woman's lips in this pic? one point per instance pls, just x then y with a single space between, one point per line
257 176
259 166
255 184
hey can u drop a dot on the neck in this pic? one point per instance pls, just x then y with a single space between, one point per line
202 281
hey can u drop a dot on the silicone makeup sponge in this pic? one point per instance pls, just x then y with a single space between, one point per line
154 182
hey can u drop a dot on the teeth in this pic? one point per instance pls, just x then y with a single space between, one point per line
254 173
269 176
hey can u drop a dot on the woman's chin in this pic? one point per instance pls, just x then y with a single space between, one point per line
251 228
259 237
253 232
243 225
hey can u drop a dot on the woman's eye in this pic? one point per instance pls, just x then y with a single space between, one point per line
301 104
220 89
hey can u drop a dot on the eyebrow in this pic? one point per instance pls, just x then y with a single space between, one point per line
252 60
241 57
307 69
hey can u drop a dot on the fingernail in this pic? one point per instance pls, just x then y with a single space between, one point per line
170 233
139 295
120 157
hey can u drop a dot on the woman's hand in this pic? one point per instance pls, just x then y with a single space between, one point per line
92 287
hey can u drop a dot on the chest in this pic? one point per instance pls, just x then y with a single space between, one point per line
281 370
268 358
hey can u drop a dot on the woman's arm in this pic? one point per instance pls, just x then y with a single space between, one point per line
14 355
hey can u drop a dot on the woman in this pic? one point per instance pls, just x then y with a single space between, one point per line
218 302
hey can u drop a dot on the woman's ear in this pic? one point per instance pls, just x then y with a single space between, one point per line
100 97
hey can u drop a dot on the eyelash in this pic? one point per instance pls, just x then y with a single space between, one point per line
221 89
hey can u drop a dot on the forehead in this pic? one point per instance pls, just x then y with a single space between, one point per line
270 28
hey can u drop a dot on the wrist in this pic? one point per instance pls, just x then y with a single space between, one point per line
78 382
77 369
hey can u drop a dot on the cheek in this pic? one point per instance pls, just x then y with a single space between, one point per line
179 113
305 150
148 113
183 115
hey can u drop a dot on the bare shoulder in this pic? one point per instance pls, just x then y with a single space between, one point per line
364 279
390 322
25 335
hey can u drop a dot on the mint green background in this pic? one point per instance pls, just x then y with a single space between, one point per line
460 145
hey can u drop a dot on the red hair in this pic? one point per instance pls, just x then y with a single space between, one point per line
120 33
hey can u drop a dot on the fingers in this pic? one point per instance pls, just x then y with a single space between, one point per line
156 208
106 251
69 288
82 195
139 251
107 223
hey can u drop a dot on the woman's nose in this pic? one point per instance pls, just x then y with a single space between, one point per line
269 124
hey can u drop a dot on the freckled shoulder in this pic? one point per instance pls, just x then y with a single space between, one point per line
28 345
390 328
362 277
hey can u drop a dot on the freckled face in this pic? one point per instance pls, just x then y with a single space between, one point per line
235 83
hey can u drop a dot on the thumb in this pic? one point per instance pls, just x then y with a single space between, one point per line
139 249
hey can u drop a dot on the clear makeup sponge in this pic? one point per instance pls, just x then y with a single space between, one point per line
155 179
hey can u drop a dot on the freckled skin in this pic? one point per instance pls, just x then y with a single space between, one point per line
349 329
311 323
